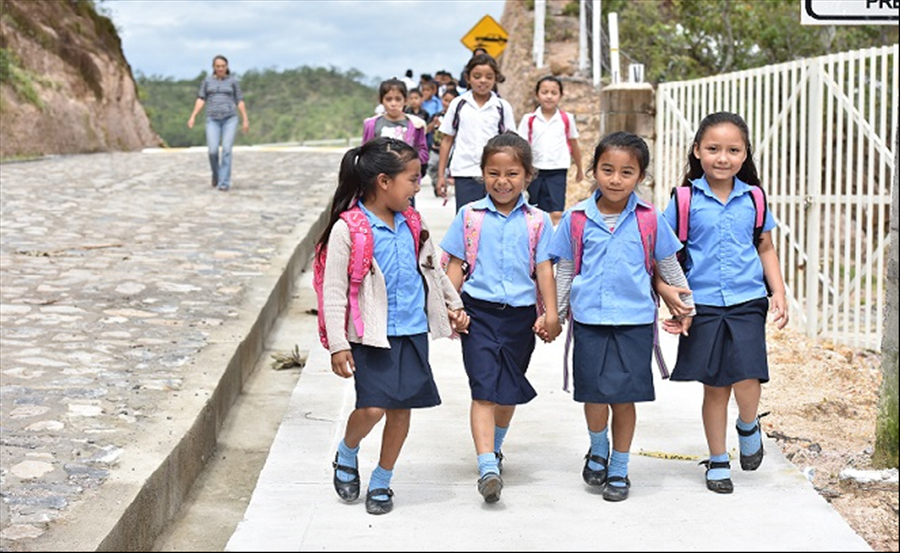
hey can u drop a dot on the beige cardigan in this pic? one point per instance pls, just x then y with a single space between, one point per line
440 294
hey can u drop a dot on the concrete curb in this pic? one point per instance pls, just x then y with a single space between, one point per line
135 505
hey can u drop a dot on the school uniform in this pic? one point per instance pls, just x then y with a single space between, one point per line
398 310
552 158
612 309
500 300
727 340
472 130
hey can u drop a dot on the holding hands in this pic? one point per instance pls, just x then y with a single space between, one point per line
547 328
459 320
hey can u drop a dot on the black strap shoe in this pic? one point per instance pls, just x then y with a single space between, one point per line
379 506
725 485
752 461
596 478
348 491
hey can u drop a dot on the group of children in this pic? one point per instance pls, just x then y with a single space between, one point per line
496 287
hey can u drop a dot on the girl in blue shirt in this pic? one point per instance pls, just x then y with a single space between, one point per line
401 299
726 347
613 311
499 296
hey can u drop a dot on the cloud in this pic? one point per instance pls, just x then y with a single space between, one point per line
380 38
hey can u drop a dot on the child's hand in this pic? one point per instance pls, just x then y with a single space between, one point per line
778 306
552 328
670 296
342 363
678 326
441 186
538 327
459 320
579 175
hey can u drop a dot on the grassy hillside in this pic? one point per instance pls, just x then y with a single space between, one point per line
284 106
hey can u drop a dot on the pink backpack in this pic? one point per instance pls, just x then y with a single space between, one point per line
362 247
472 220
682 196
647 224
565 118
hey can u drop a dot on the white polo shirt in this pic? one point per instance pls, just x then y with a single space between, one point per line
549 143
477 125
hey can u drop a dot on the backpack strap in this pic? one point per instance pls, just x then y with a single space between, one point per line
472 219
414 222
681 195
362 247
576 225
531 127
501 126
759 202
647 225
534 221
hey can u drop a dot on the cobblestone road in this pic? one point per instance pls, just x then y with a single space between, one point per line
115 270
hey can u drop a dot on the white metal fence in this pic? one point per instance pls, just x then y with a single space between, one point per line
823 132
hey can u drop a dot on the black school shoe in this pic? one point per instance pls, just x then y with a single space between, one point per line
616 493
379 506
724 485
348 491
752 461
596 478
489 486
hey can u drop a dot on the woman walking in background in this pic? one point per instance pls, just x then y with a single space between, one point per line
221 94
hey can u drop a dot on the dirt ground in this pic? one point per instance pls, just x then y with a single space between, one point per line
823 402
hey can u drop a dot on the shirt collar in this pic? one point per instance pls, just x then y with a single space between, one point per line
740 187
376 221
488 203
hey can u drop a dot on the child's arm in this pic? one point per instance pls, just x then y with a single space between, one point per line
446 144
670 272
454 272
772 270
565 274
671 296
549 328
576 158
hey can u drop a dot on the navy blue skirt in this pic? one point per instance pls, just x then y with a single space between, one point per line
725 345
395 378
548 189
612 364
497 351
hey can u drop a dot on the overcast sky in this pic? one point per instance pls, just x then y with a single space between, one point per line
381 38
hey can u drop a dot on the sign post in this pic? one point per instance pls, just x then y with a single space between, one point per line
487 34
849 12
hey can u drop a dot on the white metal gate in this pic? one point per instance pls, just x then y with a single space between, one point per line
823 133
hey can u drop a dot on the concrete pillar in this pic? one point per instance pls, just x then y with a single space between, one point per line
631 107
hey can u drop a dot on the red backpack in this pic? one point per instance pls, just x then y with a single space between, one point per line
647 225
565 118
362 247
682 196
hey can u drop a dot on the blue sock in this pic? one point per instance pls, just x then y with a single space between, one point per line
599 447
718 474
381 478
487 462
346 457
749 444
618 466
499 436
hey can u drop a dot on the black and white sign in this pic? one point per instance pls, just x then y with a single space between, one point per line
849 12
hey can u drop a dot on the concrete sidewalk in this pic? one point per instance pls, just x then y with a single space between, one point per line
545 505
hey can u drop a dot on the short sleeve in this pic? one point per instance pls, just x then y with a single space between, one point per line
561 243
453 242
667 242
542 252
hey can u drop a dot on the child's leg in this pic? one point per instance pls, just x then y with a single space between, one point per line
481 418
396 428
715 422
746 394
346 477
503 415
624 419
597 417
360 423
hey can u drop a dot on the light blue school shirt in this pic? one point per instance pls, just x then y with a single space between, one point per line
724 267
503 263
613 286
395 253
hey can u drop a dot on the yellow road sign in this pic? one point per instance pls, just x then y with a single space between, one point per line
487 34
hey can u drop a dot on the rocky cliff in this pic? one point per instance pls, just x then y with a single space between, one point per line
65 86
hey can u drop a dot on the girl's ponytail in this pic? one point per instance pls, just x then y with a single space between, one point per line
349 188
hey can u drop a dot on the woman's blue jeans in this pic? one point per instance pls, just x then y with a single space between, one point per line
221 130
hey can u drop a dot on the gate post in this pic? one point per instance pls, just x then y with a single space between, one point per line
813 199
630 107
